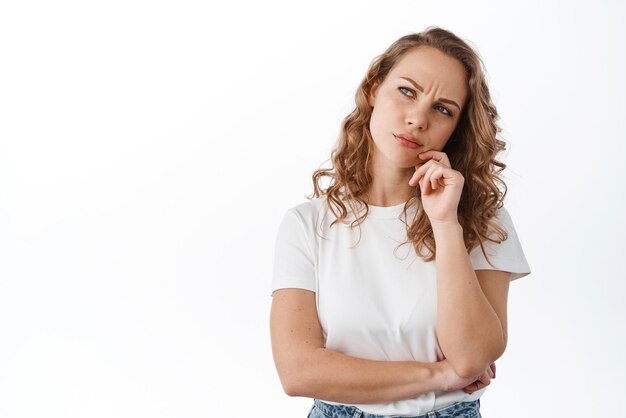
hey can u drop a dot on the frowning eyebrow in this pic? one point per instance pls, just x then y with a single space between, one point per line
420 88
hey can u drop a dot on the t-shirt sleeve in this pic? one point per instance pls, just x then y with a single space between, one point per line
507 255
294 265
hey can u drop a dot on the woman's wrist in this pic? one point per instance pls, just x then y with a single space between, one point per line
439 370
442 228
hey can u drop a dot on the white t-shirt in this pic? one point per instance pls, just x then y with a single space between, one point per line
372 303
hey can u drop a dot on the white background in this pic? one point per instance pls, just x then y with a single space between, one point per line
148 151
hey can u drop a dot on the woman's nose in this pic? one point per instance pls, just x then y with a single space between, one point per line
417 117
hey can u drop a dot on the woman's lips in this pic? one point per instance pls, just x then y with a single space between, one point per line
406 142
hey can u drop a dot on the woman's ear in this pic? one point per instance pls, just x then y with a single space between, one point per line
372 96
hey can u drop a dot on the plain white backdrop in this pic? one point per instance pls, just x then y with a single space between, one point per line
148 151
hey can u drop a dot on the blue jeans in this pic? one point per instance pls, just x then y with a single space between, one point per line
456 410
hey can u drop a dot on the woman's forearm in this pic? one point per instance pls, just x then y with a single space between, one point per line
329 375
468 329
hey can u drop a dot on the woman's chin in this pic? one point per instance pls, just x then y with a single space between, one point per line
407 163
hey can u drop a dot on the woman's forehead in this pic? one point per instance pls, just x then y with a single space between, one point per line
430 67
429 57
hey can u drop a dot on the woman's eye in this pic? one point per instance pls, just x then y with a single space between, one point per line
403 89
447 112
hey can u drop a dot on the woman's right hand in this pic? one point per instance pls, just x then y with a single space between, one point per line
452 381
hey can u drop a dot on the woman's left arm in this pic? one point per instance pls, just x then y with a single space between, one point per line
471 305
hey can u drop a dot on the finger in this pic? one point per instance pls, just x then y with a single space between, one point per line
415 178
424 185
439 156
473 387
428 176
432 177
419 172
486 379
436 178
493 365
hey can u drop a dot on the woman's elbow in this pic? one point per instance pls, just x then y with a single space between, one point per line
295 384
293 378
476 366
293 387
469 370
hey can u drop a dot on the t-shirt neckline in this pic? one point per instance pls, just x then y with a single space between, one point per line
385 212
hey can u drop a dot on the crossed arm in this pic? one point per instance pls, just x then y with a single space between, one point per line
471 328
471 305
306 368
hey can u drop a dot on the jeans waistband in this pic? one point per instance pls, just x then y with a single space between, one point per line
347 411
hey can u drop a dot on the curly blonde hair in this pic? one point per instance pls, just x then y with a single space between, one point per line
471 149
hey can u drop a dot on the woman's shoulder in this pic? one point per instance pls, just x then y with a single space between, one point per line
502 220
315 214
503 216
310 206
306 210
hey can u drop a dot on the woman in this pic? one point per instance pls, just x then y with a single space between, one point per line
390 285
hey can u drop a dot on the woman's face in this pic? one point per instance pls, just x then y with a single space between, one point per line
416 100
